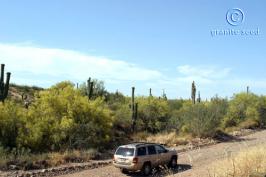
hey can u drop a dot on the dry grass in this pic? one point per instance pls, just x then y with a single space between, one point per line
230 130
39 161
170 139
249 124
246 124
247 163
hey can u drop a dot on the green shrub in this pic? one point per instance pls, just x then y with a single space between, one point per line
202 119
247 108
62 118
229 122
153 114
10 122
261 108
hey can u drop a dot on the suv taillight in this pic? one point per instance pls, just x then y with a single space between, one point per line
135 160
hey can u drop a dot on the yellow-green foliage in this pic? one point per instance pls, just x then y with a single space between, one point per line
63 117
152 114
59 117
202 119
123 116
10 121
246 107
241 107
250 162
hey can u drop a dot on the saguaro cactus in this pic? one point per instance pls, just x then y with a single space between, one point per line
199 98
150 93
134 109
88 85
4 87
135 116
193 92
164 95
89 88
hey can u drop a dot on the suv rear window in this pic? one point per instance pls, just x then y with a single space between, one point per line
125 151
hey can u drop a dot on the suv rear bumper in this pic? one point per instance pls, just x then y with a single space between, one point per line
131 167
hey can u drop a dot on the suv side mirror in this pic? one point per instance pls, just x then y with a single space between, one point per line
165 151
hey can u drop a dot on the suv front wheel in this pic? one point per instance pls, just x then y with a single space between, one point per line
146 169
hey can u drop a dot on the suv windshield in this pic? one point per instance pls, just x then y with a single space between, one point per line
160 149
125 151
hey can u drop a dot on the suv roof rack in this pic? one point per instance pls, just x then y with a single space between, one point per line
141 143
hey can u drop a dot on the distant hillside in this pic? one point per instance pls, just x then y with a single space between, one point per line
17 91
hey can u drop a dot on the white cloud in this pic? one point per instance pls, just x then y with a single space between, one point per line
203 73
209 80
69 65
34 65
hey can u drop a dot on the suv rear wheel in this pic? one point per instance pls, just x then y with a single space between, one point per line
125 171
173 162
146 169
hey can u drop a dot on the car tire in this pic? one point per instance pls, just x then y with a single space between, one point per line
146 169
125 171
173 162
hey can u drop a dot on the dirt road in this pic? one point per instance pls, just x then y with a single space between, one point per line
191 163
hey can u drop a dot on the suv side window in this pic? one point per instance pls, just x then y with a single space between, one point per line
151 150
160 149
141 151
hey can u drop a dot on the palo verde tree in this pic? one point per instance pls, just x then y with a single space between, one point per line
61 117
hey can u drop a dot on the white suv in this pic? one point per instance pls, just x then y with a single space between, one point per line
144 157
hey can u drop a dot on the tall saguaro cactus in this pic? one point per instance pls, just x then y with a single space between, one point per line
135 116
150 93
89 88
193 92
134 109
4 87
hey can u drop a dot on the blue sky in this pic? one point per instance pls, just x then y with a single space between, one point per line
162 44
